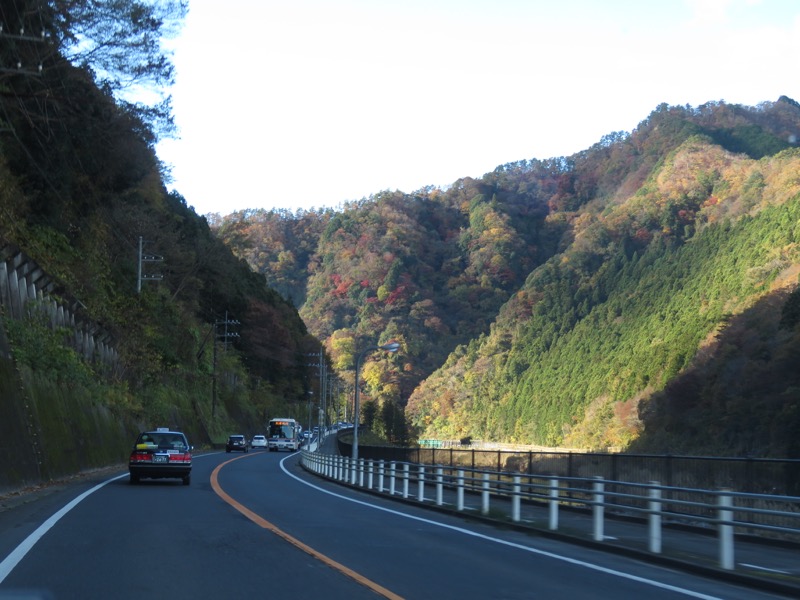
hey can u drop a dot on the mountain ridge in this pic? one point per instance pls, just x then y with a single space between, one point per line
475 248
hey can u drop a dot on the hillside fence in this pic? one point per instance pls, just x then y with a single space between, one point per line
25 287
43 425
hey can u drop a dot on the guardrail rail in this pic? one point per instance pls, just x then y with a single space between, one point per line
721 514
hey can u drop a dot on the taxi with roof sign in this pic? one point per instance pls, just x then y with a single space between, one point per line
161 453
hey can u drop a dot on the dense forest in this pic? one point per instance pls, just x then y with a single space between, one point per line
204 344
638 295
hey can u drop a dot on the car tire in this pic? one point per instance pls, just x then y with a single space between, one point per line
187 480
134 479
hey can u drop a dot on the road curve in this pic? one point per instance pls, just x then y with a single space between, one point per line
258 524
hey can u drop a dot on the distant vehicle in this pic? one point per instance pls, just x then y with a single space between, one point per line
236 443
161 454
258 441
283 434
307 434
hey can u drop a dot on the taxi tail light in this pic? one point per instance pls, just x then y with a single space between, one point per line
187 457
141 457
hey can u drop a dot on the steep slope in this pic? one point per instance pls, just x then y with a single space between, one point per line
80 186
575 357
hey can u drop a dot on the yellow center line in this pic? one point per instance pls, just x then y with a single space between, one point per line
261 522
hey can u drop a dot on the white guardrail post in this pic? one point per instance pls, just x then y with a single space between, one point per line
460 491
515 499
485 495
406 468
392 477
552 505
725 528
439 486
369 474
421 484
381 474
360 469
597 509
654 518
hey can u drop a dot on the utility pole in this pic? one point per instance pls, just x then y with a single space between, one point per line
22 51
333 392
225 335
146 276
322 366
15 41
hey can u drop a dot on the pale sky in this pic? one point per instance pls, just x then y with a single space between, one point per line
311 103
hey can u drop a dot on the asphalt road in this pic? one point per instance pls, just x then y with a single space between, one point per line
257 525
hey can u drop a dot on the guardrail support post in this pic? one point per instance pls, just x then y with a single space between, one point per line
439 493
421 484
725 528
515 499
460 491
552 504
405 480
369 474
392 477
597 509
360 469
381 469
485 495
654 519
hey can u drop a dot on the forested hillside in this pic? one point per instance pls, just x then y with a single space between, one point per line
80 185
628 296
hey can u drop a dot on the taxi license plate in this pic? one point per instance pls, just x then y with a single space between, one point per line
160 458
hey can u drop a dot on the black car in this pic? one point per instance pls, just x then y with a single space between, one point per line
236 443
160 454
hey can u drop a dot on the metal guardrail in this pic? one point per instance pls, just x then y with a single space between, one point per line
502 493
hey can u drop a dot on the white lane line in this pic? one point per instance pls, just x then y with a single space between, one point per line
760 568
573 561
12 560
20 551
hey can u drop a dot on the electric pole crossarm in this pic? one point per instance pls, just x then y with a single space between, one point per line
143 258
